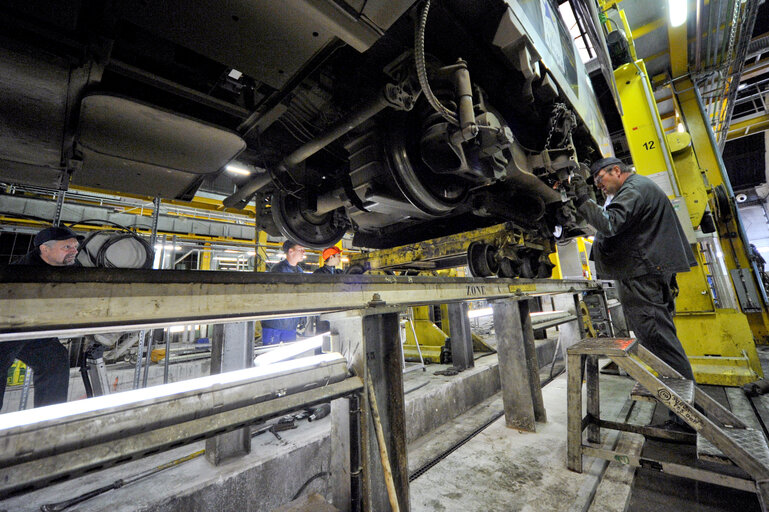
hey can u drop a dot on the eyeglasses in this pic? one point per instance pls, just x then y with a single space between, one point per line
599 177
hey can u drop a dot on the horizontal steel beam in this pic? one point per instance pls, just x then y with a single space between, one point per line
81 435
62 466
36 302
57 428
671 468
167 223
743 127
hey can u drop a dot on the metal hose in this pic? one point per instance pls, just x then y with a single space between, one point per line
419 58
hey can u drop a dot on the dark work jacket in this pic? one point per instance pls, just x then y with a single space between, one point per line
638 233
32 258
325 269
284 324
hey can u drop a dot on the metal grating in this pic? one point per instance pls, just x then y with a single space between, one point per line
752 441
682 387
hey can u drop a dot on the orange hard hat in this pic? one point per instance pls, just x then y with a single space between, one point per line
327 253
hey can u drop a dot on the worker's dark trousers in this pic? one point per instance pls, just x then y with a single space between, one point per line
649 306
50 362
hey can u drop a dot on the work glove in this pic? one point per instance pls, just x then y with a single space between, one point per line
580 188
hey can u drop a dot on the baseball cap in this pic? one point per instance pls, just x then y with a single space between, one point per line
603 163
55 233
327 253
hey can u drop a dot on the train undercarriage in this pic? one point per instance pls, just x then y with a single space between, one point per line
396 121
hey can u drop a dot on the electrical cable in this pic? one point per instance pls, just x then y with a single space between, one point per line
304 485
419 58
416 387
485 354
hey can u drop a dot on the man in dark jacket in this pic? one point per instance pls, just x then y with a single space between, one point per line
284 329
331 257
56 247
640 243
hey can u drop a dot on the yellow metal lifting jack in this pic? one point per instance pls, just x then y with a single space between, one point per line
716 329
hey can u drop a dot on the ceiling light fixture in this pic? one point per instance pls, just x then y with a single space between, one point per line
677 12
236 169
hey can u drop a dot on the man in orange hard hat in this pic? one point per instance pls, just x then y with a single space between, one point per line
331 258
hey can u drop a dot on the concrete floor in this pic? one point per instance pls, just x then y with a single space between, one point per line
508 470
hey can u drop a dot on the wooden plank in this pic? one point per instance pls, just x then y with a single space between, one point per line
617 347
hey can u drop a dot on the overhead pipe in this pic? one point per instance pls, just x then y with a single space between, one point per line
387 97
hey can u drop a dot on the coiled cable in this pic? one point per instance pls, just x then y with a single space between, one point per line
100 259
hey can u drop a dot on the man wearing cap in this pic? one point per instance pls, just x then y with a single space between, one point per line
284 329
640 244
331 258
55 247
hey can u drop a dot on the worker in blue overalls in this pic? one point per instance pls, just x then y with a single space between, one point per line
284 329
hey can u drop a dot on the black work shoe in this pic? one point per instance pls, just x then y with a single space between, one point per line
672 432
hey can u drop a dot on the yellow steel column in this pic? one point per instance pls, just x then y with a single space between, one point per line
260 258
735 245
430 337
717 341
643 127
678 44
205 257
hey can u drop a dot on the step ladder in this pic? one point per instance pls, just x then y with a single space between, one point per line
720 435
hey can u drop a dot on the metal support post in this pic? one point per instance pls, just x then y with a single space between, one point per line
155 216
574 413
59 205
356 468
593 402
232 348
167 336
157 335
518 368
25 388
532 363
370 341
461 337
139 353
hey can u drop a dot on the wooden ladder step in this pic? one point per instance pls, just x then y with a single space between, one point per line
752 441
684 388
603 347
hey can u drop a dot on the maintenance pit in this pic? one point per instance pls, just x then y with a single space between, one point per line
453 447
